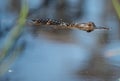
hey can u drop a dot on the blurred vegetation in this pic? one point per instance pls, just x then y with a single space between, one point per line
116 5
12 39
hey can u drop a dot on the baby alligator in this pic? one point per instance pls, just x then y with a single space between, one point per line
59 24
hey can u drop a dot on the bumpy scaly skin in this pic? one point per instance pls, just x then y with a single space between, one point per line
59 24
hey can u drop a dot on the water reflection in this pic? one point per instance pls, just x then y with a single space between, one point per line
52 61
99 69
112 53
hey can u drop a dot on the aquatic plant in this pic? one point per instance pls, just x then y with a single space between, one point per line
12 39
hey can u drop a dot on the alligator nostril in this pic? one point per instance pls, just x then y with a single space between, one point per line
33 20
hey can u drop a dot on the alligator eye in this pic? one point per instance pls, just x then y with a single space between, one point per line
90 24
